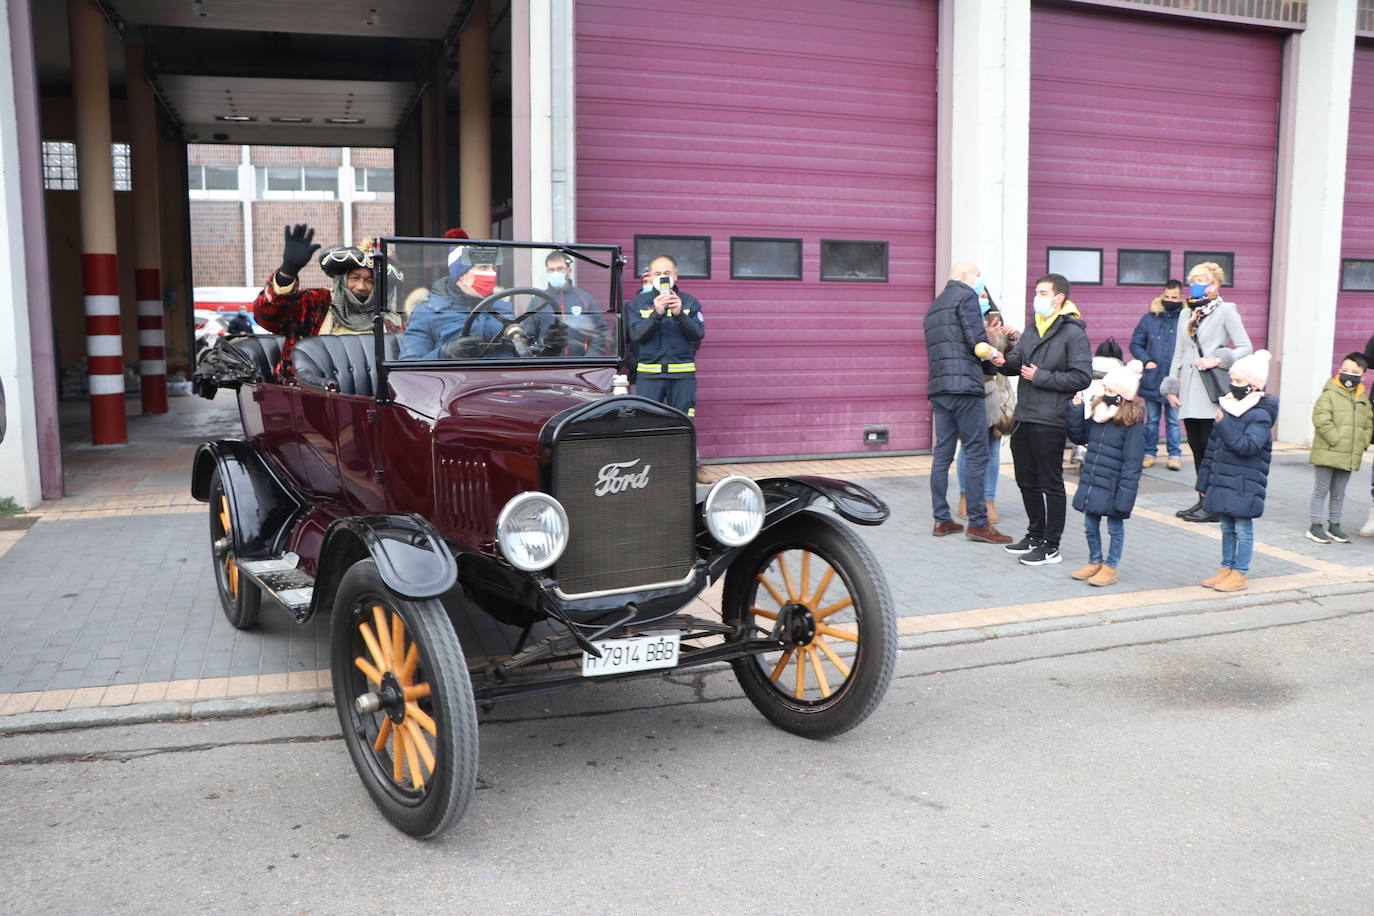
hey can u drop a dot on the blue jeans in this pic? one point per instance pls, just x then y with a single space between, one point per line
1153 412
1237 542
959 418
1116 528
990 478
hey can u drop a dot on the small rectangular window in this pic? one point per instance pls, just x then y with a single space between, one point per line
221 178
853 260
1357 275
123 171
1077 265
374 180
59 165
765 259
283 178
692 253
1225 259
1141 267
322 179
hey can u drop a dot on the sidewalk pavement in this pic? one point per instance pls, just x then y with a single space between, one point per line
108 610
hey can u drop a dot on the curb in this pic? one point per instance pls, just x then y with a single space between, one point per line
164 711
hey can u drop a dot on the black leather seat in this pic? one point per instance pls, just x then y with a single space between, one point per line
264 350
342 360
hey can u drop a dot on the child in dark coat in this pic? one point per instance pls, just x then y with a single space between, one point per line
1114 432
1235 473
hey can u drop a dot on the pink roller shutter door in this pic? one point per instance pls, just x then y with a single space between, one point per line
803 120
1153 134
1355 310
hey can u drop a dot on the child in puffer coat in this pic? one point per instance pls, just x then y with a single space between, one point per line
1114 433
1343 421
1235 472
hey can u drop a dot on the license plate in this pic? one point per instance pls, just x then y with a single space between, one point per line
638 653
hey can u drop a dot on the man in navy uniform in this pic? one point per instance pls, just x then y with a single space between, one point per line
667 326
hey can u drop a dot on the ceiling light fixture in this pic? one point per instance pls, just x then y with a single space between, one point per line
343 120
235 117
290 120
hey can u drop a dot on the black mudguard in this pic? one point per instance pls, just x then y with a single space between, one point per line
784 497
262 506
411 557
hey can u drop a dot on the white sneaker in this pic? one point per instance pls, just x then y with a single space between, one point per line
1368 530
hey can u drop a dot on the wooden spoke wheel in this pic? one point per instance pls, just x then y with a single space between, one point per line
815 585
405 704
238 596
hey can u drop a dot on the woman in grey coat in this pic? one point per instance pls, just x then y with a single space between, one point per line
1211 336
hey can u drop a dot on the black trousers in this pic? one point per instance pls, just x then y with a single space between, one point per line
1037 453
1198 432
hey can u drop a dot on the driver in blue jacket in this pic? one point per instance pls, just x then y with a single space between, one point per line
435 329
667 326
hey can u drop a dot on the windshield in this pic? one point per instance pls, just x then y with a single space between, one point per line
468 301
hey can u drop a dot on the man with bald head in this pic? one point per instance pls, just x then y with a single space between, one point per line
953 328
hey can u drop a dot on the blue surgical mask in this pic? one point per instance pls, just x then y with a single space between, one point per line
556 279
1043 306
977 285
646 287
1197 290
984 305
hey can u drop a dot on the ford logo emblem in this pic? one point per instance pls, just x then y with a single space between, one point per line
617 477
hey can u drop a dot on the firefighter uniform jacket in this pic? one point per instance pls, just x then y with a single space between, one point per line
667 344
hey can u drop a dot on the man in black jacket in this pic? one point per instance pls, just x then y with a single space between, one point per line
953 328
1055 362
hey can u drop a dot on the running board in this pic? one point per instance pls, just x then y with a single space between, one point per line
281 579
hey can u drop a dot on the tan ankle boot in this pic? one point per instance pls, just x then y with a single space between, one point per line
1211 581
1105 576
963 506
992 513
1232 583
1087 572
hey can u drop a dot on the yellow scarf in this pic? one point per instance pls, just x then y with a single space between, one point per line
1042 324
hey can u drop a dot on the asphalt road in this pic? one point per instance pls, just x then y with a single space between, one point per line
1217 762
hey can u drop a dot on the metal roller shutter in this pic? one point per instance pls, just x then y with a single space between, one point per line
803 120
1154 134
1355 310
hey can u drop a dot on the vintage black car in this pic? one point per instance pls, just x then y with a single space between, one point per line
463 469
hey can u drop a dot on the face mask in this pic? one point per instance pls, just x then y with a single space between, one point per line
984 305
1197 290
646 287
483 284
1240 391
1111 400
556 279
1043 306
977 285
1349 379
1172 306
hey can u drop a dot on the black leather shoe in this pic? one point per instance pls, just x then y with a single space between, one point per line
1195 507
1201 515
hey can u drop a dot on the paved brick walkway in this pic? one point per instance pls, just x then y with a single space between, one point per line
107 598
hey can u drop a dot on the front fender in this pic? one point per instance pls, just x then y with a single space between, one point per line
262 507
784 497
411 557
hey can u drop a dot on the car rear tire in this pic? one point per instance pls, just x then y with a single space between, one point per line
239 597
813 575
417 754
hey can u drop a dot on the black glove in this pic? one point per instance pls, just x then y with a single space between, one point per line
555 336
468 347
298 250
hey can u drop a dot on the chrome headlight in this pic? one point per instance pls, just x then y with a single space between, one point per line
532 531
734 511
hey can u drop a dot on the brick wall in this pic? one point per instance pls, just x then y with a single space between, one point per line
217 243
269 216
212 154
296 155
371 157
373 218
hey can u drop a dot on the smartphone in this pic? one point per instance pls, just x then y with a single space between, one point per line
664 284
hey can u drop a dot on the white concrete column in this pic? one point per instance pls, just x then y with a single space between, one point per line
248 180
346 191
19 462
1314 124
982 182
474 117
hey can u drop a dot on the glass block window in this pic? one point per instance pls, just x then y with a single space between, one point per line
1226 259
59 165
1077 265
123 173
765 259
1357 275
854 261
374 180
1141 267
692 253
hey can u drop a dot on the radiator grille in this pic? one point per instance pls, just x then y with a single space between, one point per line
639 531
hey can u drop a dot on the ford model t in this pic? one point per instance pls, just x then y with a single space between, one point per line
473 465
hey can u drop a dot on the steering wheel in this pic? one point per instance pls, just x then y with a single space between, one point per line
512 329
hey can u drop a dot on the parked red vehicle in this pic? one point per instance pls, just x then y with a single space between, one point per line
469 468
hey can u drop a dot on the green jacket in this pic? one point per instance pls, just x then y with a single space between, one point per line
1344 421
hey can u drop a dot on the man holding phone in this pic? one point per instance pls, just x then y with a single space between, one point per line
667 326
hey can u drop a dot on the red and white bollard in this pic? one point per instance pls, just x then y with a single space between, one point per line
152 358
104 349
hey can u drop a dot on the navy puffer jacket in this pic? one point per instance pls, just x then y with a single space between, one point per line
1110 477
953 326
1235 473
1153 342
